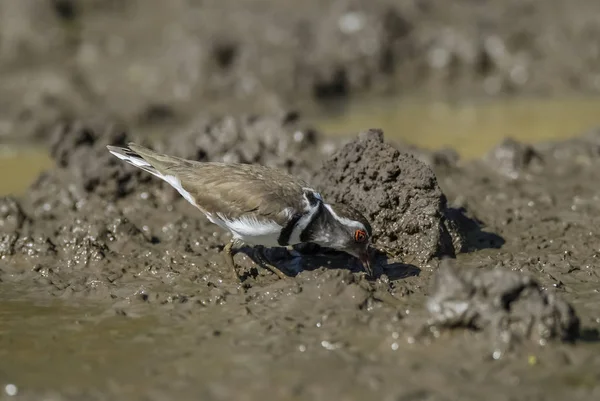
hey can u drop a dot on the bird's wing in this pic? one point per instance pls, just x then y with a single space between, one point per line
231 190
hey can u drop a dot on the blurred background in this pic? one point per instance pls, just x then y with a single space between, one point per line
434 73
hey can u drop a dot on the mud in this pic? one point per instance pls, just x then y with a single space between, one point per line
512 305
154 64
96 232
398 193
113 287
81 222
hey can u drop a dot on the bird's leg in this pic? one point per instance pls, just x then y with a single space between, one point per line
229 252
265 263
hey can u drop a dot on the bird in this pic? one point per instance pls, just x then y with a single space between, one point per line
258 205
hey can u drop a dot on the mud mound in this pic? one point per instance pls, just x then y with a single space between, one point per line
17 235
513 306
397 192
511 158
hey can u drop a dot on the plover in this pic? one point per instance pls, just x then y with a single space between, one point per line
259 205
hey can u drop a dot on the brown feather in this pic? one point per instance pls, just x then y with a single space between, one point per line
232 190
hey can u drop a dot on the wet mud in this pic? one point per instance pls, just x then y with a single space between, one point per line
398 193
515 306
95 231
156 63
112 286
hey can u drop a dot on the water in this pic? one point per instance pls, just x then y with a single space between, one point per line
20 166
472 128
60 342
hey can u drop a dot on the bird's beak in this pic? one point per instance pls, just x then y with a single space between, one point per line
366 262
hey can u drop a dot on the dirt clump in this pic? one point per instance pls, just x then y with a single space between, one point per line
18 234
513 306
511 158
397 192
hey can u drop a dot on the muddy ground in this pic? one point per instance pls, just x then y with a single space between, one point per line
154 63
519 318
113 287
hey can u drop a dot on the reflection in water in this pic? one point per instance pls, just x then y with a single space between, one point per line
470 128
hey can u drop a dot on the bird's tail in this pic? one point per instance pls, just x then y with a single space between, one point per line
146 159
162 166
132 157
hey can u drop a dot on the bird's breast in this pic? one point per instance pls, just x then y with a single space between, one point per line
251 229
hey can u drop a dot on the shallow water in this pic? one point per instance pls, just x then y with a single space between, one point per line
48 343
20 166
469 127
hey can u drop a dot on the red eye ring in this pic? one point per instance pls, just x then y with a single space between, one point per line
360 236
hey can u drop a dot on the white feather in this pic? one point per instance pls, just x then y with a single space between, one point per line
176 183
138 162
171 179
250 230
133 160
345 221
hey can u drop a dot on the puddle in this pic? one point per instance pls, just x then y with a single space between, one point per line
19 167
68 346
472 128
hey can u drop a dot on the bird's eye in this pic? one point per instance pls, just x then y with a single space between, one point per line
360 236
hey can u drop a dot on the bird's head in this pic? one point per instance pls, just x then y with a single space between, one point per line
348 231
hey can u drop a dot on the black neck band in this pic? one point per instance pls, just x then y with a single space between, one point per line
286 232
307 234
